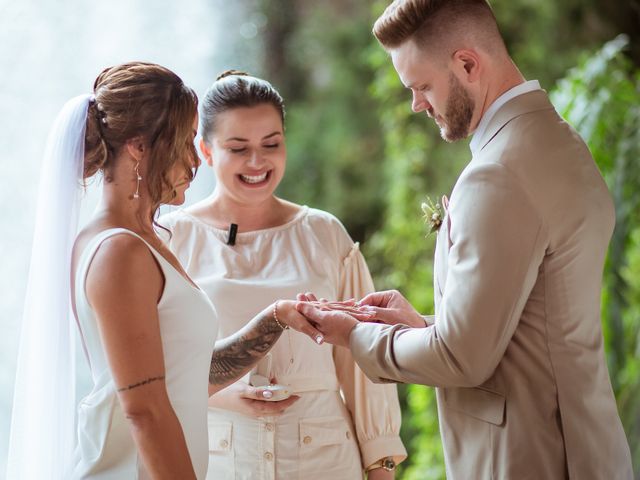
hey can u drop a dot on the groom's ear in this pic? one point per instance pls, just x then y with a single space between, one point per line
467 62
206 152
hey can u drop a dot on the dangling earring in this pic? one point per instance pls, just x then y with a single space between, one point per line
136 195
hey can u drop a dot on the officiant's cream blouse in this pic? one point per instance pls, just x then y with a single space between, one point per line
342 421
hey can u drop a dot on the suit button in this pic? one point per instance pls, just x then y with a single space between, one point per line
269 427
224 443
306 440
268 456
348 435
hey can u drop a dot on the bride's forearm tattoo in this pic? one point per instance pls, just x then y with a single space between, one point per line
139 384
235 355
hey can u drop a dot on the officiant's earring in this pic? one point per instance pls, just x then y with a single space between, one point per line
136 195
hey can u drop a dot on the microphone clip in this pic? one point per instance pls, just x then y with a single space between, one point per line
233 230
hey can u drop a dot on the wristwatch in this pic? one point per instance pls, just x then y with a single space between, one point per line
388 463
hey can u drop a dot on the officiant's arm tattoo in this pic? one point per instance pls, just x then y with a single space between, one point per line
235 355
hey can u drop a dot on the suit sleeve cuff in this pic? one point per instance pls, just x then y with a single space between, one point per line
429 320
362 342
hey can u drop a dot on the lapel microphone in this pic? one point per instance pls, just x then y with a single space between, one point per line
233 230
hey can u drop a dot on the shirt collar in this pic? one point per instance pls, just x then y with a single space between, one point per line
520 89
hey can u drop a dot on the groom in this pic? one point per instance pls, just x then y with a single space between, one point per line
515 347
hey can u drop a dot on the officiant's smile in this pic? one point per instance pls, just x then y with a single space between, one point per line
248 152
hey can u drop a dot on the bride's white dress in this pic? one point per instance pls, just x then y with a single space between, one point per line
188 324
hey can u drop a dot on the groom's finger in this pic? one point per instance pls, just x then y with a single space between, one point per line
363 313
376 299
383 315
363 317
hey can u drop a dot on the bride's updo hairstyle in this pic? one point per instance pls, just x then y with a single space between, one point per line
235 89
148 101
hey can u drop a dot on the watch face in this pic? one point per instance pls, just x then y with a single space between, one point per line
388 464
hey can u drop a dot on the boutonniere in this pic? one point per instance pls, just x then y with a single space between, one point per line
433 215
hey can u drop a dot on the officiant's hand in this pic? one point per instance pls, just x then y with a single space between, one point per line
249 400
392 308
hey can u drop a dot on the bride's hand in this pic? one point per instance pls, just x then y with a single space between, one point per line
286 314
346 306
248 400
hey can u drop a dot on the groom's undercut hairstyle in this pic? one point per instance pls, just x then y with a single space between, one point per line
440 26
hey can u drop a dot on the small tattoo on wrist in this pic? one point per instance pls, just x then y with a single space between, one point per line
139 384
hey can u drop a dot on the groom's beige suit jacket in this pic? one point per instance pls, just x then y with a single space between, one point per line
516 346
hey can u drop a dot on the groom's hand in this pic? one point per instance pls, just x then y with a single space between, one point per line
391 307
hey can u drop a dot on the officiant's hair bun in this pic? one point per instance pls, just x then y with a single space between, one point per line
141 100
228 73
235 89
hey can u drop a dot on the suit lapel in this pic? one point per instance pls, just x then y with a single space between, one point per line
525 103
440 260
520 105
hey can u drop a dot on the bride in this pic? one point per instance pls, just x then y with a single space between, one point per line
146 328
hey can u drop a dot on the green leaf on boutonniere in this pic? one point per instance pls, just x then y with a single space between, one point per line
433 215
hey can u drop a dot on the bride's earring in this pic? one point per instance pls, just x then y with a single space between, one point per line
136 195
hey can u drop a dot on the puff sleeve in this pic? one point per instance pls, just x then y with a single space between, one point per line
374 408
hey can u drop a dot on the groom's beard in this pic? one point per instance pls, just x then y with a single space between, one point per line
458 112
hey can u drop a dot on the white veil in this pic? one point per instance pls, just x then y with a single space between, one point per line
43 420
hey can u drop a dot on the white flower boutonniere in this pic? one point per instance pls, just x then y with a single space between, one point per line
433 215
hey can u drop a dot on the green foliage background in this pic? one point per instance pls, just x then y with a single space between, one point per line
357 150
